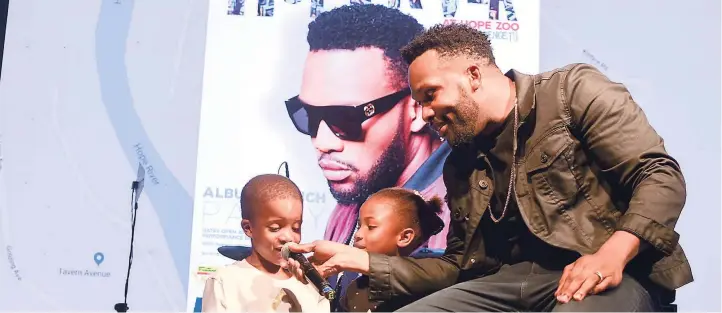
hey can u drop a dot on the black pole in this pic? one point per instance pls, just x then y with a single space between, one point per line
4 5
123 307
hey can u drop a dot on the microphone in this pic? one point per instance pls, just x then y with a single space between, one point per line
324 288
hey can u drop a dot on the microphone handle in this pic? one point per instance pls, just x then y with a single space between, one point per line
314 276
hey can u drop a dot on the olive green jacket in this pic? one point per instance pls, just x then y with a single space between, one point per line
588 164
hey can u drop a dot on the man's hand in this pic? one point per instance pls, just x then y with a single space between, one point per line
329 258
599 271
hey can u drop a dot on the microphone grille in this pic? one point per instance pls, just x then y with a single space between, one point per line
285 251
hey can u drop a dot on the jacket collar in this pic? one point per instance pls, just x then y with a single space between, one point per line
526 99
525 85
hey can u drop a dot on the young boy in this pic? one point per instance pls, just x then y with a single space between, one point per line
393 221
271 211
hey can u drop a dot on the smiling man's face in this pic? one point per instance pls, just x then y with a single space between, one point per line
442 88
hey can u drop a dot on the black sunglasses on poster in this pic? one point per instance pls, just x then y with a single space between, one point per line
344 121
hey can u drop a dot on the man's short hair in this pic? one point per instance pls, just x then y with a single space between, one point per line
451 40
350 27
265 188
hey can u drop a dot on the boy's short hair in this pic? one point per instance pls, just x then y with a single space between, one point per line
265 188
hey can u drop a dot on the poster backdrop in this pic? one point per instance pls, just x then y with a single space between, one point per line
257 57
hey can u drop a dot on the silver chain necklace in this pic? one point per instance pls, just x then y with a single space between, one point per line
513 169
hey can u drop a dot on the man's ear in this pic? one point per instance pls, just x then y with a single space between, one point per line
417 117
246 226
474 74
405 238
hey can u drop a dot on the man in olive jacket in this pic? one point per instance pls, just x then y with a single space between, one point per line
562 196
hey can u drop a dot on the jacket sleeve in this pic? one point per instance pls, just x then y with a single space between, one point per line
410 277
393 276
630 154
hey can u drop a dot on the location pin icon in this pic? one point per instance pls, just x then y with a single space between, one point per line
98 257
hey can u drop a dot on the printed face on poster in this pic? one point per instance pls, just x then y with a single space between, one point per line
331 100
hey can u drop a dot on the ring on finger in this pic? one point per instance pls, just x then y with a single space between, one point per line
599 274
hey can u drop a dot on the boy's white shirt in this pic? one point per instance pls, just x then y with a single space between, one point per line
240 287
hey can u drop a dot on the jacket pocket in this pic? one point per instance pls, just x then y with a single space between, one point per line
557 191
549 169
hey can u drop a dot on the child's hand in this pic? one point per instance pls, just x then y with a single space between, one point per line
291 265
329 258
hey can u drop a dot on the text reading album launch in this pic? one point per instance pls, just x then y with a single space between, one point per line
326 94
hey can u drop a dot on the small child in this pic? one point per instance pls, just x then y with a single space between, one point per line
271 212
395 222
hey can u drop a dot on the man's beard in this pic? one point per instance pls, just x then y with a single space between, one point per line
383 174
467 114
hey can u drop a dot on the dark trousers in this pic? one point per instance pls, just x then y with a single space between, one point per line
528 286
